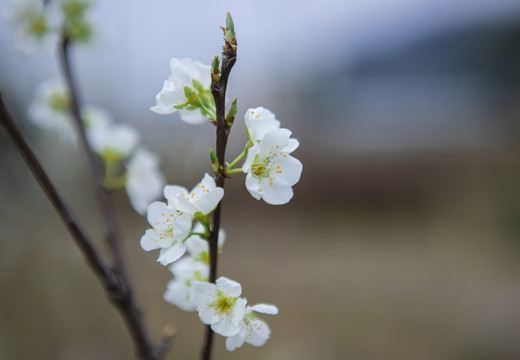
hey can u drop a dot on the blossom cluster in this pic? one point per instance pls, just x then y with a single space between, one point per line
128 164
270 169
270 172
219 305
37 22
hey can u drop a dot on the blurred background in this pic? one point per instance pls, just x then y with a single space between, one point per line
403 238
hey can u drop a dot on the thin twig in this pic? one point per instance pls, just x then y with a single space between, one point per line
117 292
78 234
96 175
123 298
218 90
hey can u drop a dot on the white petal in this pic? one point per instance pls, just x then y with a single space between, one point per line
177 293
234 342
277 194
274 138
149 241
210 201
291 169
202 293
293 145
226 327
196 246
168 98
258 332
156 211
254 187
229 287
239 311
265 309
182 226
169 255
259 121
171 191
193 117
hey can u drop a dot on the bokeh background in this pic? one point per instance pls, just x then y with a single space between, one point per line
403 238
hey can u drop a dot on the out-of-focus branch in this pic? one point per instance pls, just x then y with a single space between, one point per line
95 170
123 297
79 235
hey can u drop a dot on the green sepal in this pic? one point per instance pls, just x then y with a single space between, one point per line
230 118
214 160
215 70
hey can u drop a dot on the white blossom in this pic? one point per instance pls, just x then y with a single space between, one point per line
178 289
271 171
259 121
253 330
171 226
50 108
113 141
198 248
94 117
144 180
172 96
194 266
219 305
203 198
31 23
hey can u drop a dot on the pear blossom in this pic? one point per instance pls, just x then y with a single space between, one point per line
50 108
178 289
144 180
198 248
259 121
94 118
32 25
171 226
253 330
219 305
271 171
202 199
113 141
77 28
194 266
173 97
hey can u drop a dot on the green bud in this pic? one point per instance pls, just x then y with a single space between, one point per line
197 86
74 9
214 160
78 31
230 46
215 70
230 118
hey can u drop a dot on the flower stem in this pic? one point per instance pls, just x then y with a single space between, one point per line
234 171
239 157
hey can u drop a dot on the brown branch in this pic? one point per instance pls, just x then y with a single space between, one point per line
103 201
122 297
78 234
218 90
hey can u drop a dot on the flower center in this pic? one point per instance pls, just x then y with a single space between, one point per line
38 27
260 167
58 102
224 304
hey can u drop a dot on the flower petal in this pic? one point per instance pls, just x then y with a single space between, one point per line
277 194
226 327
229 287
265 309
169 255
258 332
